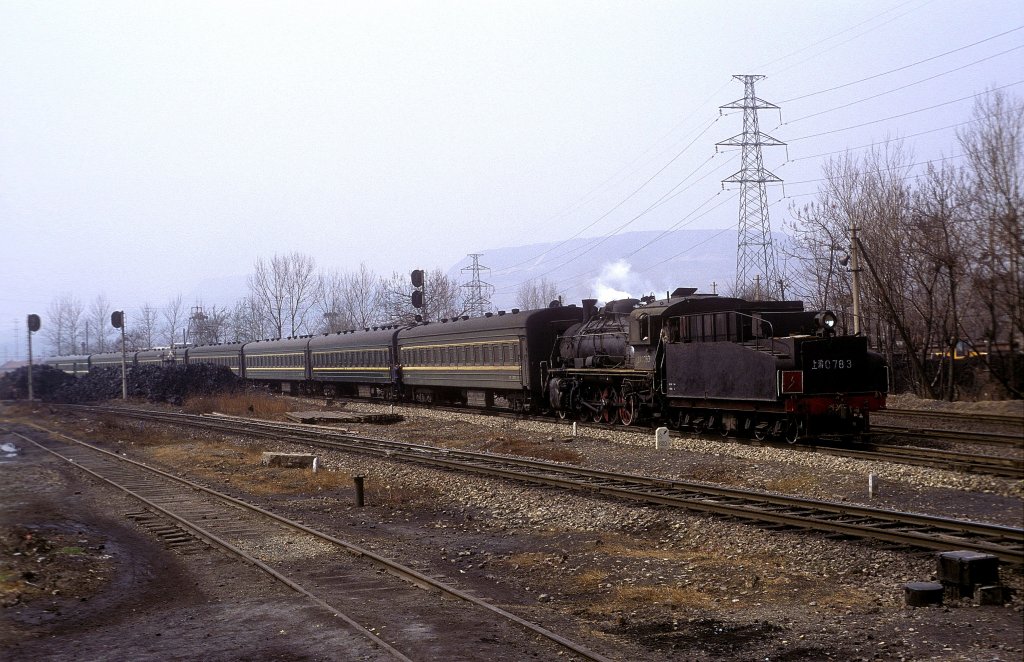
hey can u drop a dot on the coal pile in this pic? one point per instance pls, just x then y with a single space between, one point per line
46 380
171 384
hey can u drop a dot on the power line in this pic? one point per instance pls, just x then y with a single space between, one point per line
889 140
620 203
901 68
903 87
766 65
911 112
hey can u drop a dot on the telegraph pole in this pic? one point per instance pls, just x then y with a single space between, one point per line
755 254
855 271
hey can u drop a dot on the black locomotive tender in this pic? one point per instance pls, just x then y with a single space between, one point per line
698 361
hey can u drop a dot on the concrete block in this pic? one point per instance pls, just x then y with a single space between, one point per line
289 460
661 439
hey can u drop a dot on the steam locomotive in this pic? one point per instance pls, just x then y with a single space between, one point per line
694 361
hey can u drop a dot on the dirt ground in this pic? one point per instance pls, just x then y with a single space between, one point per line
79 580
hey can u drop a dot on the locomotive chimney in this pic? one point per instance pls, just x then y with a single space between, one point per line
589 308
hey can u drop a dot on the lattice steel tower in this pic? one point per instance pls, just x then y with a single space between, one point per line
478 293
756 265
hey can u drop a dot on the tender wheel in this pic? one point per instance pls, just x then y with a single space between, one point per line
761 433
794 431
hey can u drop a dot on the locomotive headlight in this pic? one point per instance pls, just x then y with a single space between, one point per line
826 322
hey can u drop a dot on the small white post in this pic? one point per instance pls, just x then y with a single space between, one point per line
661 440
574 428
872 485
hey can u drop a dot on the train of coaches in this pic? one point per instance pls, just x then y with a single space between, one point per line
697 361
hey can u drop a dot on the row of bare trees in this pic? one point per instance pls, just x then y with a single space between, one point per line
941 252
287 296
73 328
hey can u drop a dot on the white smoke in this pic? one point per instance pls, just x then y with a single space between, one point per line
613 282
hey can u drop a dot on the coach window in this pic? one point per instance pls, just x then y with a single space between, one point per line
727 326
708 333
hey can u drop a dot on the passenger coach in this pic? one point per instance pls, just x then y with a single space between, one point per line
355 362
491 361
226 354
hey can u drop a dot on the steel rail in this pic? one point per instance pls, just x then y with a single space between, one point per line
912 529
985 438
1006 467
206 535
403 572
1011 419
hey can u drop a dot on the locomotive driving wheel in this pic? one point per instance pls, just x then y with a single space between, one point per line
627 406
607 411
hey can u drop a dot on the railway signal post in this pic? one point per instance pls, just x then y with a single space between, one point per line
33 325
117 321
418 278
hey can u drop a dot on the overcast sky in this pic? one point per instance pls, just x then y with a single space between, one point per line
146 147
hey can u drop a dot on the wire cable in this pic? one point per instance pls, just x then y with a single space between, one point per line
902 87
911 112
901 68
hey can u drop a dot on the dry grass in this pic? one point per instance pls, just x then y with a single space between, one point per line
550 451
242 468
801 483
253 404
110 427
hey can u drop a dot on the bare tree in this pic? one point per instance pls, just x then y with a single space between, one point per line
145 326
442 298
61 325
173 314
360 303
332 303
994 145
286 288
101 330
248 322
942 252
208 326
536 293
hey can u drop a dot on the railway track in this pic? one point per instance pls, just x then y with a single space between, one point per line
910 529
1006 467
979 438
339 576
1008 419
980 463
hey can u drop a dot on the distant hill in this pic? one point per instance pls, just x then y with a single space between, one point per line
590 267
580 268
